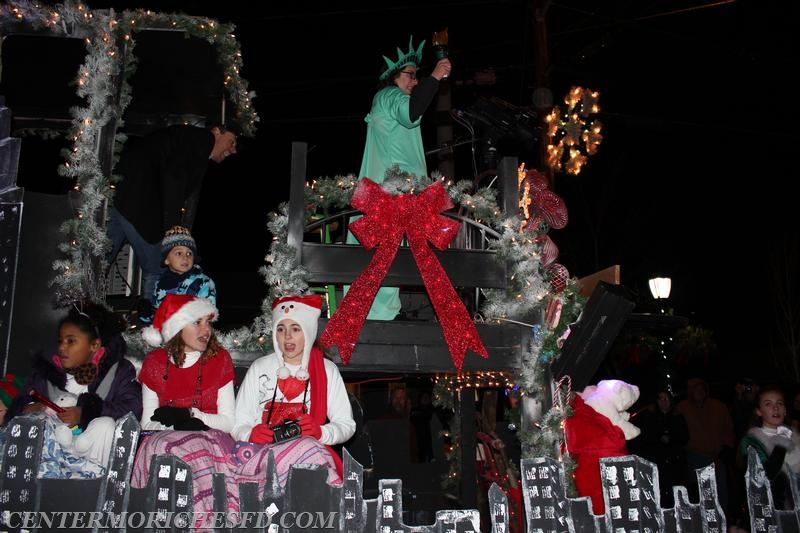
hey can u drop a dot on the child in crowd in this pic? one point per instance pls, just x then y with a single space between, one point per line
182 275
777 445
664 434
81 391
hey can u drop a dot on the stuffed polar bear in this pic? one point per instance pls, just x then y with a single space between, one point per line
599 427
612 398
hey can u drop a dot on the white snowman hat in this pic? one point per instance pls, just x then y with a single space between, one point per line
305 310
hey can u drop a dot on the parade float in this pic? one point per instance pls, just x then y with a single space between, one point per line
505 313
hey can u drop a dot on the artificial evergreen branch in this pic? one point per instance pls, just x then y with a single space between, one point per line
221 36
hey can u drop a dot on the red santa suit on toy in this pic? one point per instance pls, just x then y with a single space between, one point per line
599 428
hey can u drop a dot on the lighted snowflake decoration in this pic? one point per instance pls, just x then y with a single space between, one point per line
572 133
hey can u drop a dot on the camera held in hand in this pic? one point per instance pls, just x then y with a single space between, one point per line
289 430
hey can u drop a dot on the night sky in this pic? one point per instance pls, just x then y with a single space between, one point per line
699 126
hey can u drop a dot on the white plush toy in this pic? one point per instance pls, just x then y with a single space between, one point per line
93 443
612 398
69 441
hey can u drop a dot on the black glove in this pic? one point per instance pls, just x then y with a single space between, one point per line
773 464
192 424
171 416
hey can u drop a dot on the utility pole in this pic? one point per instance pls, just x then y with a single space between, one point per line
444 130
542 95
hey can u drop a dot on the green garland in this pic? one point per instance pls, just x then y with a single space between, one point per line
546 442
282 275
546 348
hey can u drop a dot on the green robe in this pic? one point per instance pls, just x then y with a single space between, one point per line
392 139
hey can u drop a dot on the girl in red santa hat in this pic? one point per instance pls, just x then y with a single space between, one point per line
187 383
187 394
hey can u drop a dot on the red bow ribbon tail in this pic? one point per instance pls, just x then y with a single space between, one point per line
379 225
458 328
425 223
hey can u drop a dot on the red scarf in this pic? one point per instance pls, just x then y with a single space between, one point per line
319 386
319 397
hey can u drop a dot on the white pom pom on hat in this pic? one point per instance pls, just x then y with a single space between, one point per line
176 312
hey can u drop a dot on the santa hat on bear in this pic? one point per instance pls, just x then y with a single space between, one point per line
175 312
304 310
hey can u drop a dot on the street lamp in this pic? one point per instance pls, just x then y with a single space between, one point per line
660 287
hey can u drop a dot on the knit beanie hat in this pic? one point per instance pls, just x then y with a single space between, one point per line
175 312
10 384
177 236
304 310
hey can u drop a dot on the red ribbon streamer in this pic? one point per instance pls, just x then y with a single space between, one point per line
386 219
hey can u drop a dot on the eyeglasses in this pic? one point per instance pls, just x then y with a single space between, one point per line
410 74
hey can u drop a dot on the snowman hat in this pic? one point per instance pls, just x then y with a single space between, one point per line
304 310
176 312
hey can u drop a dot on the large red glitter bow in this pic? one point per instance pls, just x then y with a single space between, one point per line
386 219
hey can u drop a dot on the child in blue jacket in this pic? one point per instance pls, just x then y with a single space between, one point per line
182 275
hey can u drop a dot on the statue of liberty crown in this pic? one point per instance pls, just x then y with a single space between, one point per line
412 57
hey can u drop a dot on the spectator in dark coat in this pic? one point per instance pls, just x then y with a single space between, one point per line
421 418
711 437
743 407
400 408
664 434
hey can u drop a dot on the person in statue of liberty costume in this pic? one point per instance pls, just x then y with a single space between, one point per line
394 137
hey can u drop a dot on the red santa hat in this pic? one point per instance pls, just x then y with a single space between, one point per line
304 310
176 312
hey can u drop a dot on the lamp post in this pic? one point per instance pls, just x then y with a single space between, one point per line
660 289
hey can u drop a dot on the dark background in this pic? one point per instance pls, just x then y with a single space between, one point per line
692 180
